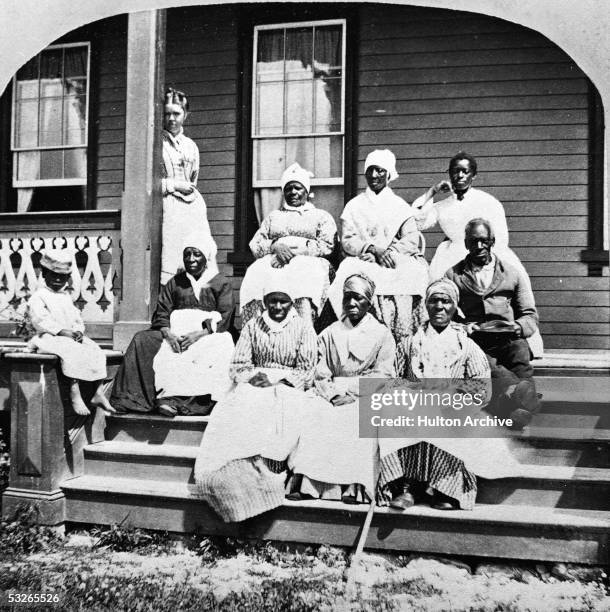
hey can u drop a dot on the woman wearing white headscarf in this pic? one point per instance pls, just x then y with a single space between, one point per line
380 238
241 465
194 305
201 367
441 358
297 238
332 461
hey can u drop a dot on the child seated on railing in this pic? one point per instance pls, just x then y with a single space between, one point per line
60 330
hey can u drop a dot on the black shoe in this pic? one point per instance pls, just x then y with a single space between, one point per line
440 501
298 496
403 500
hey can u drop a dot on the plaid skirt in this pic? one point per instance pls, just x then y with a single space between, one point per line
427 463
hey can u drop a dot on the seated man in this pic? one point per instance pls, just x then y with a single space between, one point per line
499 310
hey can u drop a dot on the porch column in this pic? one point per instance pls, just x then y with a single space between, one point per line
141 206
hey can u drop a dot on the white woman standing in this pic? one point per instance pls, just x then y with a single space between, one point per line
184 211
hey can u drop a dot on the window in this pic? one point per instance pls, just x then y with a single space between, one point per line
596 255
49 129
298 103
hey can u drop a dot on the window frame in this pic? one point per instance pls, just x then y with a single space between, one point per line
58 182
596 254
271 183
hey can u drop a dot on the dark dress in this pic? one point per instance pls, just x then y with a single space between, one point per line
134 385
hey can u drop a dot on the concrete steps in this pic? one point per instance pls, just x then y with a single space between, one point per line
557 508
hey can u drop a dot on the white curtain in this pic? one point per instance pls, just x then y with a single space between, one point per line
267 200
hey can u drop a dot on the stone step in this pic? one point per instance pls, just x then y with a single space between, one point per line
546 485
516 532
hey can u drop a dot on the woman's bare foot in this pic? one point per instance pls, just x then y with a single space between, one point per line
78 405
99 399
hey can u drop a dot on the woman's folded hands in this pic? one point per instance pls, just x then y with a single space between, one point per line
179 344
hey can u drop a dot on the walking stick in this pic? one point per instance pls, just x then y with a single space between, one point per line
364 532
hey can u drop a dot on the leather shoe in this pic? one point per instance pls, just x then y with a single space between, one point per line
440 501
403 500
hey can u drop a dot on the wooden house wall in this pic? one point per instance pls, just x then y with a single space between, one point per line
109 80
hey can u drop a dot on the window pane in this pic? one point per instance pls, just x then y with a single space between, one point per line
270 56
269 158
299 107
63 197
327 105
328 157
51 64
328 50
75 163
299 49
50 122
75 87
300 150
28 165
75 125
26 124
270 109
51 88
51 164
75 62
26 89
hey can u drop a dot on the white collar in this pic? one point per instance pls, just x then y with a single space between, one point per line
374 197
300 209
199 283
358 341
177 139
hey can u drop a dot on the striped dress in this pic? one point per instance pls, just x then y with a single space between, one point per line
240 469
448 470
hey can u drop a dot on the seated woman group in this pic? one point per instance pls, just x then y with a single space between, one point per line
289 427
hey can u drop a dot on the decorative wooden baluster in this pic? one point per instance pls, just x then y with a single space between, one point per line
104 257
81 258
16 259
4 288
